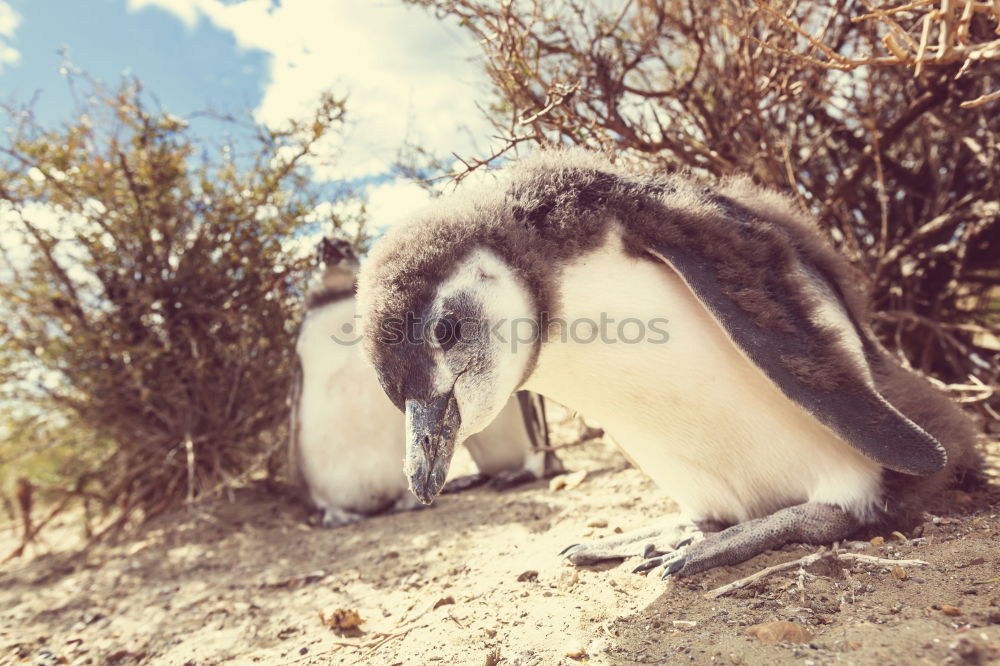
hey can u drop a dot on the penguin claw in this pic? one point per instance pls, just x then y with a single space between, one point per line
671 563
673 567
648 565
568 550
686 541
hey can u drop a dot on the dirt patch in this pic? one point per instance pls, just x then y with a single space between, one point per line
477 580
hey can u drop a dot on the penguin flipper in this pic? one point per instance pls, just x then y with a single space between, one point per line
533 412
813 522
813 351
294 472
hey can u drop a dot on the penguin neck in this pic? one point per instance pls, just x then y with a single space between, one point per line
335 284
337 277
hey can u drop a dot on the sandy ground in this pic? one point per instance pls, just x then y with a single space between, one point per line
477 580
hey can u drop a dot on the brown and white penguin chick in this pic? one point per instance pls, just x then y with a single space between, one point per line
346 438
709 328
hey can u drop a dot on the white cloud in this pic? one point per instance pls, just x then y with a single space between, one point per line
406 74
393 202
61 225
386 204
185 10
9 22
300 247
9 56
13 243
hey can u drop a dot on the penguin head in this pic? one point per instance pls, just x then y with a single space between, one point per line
450 356
336 253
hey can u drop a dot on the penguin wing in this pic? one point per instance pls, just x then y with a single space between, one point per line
817 357
294 402
533 412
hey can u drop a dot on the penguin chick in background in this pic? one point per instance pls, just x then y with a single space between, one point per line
346 438
710 328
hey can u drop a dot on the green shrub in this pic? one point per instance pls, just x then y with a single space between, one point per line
149 297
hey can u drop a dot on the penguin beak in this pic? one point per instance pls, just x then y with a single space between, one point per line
431 429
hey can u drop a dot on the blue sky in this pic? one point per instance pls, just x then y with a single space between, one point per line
406 74
103 38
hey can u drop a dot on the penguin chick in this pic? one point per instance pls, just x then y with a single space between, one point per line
346 438
709 328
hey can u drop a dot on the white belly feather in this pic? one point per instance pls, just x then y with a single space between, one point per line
698 417
351 435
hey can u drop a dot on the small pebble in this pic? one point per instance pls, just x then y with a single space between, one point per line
446 601
781 631
575 479
951 610
567 579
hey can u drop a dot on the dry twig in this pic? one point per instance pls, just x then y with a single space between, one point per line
802 562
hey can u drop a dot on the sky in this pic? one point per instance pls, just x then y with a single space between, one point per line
406 75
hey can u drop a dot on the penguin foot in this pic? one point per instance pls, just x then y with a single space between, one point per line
510 478
804 523
408 502
461 483
665 537
340 517
500 481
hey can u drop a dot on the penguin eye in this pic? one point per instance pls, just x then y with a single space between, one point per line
447 332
